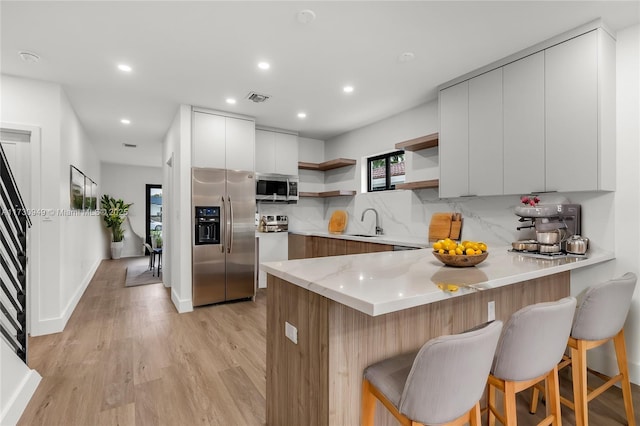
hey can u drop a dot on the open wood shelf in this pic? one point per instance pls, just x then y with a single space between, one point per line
338 193
420 184
327 165
423 142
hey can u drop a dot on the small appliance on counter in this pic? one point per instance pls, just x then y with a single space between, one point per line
273 223
557 231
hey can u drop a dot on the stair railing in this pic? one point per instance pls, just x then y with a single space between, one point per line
14 222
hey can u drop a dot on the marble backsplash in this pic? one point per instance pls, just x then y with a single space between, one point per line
407 213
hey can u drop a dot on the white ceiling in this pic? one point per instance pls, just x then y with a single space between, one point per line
202 52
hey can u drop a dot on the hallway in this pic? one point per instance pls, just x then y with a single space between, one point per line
127 357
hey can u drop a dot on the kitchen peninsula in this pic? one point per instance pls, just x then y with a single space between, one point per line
351 311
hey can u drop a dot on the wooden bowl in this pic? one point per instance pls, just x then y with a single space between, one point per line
461 260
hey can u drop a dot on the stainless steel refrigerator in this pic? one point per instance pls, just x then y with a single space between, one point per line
223 243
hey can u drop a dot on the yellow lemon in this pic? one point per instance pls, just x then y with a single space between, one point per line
482 246
459 251
452 252
441 251
470 252
437 246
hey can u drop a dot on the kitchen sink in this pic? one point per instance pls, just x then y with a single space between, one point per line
361 235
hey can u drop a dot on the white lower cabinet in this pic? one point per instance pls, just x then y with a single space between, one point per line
272 246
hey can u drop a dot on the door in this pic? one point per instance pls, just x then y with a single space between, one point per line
241 207
153 217
454 140
208 140
485 134
523 86
240 144
208 273
571 114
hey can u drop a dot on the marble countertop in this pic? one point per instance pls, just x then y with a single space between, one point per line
380 283
394 240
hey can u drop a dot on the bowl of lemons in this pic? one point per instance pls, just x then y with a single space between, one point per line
465 253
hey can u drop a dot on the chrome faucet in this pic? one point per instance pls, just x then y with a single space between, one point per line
378 229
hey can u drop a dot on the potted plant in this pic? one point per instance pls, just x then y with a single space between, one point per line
114 213
156 239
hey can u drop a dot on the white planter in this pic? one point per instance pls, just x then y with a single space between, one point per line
116 249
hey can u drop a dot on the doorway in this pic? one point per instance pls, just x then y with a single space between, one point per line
153 216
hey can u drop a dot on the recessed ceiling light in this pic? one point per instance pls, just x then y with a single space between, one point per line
306 16
347 89
231 101
125 121
29 56
264 65
406 57
302 115
124 67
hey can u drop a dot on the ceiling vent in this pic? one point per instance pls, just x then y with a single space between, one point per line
257 97
129 145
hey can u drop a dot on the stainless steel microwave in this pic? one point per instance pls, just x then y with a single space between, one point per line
276 188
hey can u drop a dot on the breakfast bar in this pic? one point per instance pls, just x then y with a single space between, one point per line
328 318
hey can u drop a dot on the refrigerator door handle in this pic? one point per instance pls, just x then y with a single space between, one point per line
230 247
223 223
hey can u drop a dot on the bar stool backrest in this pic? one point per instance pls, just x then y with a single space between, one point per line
449 375
603 308
534 340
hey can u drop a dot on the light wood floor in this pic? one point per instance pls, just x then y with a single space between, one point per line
127 358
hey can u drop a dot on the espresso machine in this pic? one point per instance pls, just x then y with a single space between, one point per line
551 225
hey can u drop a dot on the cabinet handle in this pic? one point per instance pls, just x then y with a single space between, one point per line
223 223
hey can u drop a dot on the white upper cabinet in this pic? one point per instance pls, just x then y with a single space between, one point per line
209 141
541 123
240 144
265 151
454 140
222 142
578 103
485 134
523 97
276 152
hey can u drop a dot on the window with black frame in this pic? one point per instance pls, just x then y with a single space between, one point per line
385 171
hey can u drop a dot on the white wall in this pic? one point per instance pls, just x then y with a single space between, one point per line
177 207
608 219
65 249
129 183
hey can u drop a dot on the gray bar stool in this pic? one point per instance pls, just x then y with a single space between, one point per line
440 384
599 318
531 345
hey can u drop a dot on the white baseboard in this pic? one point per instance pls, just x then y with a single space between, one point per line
20 399
182 305
41 327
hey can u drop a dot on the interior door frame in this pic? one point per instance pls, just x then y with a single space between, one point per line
147 216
